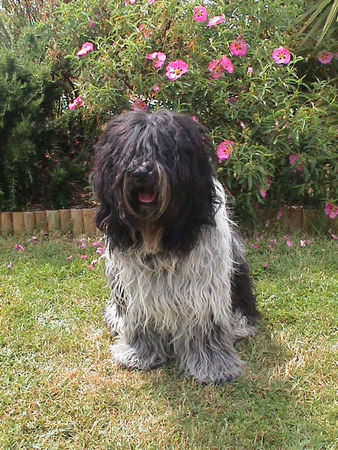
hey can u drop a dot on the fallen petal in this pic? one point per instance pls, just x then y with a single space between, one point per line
18 248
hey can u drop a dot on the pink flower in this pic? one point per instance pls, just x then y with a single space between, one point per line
216 21
305 242
243 125
18 248
215 69
325 57
292 160
194 118
158 57
77 103
176 69
266 265
281 55
160 60
83 257
101 250
263 193
287 241
250 69
272 244
70 258
96 244
139 105
238 48
333 236
86 48
232 100
200 14
224 150
47 156
331 211
151 2
92 264
145 31
10 265
227 64
155 88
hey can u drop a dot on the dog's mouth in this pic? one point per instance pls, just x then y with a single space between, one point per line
146 197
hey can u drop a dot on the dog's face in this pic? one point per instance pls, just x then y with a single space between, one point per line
153 179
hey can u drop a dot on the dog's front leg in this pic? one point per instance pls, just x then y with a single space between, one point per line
208 356
140 349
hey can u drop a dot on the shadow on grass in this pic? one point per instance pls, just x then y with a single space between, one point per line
259 409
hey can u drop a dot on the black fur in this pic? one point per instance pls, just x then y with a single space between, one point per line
174 141
241 293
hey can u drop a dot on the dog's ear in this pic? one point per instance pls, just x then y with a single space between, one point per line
194 200
103 178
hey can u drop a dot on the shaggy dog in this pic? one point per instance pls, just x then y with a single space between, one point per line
180 286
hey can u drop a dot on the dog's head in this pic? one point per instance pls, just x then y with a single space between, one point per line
153 179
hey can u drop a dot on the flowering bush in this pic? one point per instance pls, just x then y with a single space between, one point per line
235 66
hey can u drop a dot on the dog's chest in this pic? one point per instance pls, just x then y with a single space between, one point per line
159 291
171 292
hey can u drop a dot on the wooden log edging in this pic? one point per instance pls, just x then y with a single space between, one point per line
81 221
77 221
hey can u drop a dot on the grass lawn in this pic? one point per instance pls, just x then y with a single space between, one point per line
59 389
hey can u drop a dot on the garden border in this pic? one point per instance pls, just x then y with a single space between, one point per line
77 221
81 221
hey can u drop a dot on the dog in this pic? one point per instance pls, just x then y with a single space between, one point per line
180 285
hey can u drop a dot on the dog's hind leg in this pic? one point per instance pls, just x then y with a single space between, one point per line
245 314
140 349
243 301
208 358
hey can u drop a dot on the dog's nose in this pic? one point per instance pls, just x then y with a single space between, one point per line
142 171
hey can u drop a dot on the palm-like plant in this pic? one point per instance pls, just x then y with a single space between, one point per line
320 16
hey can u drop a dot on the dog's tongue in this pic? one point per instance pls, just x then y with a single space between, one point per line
146 197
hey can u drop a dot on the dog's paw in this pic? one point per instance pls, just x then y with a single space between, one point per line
242 328
131 358
212 368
